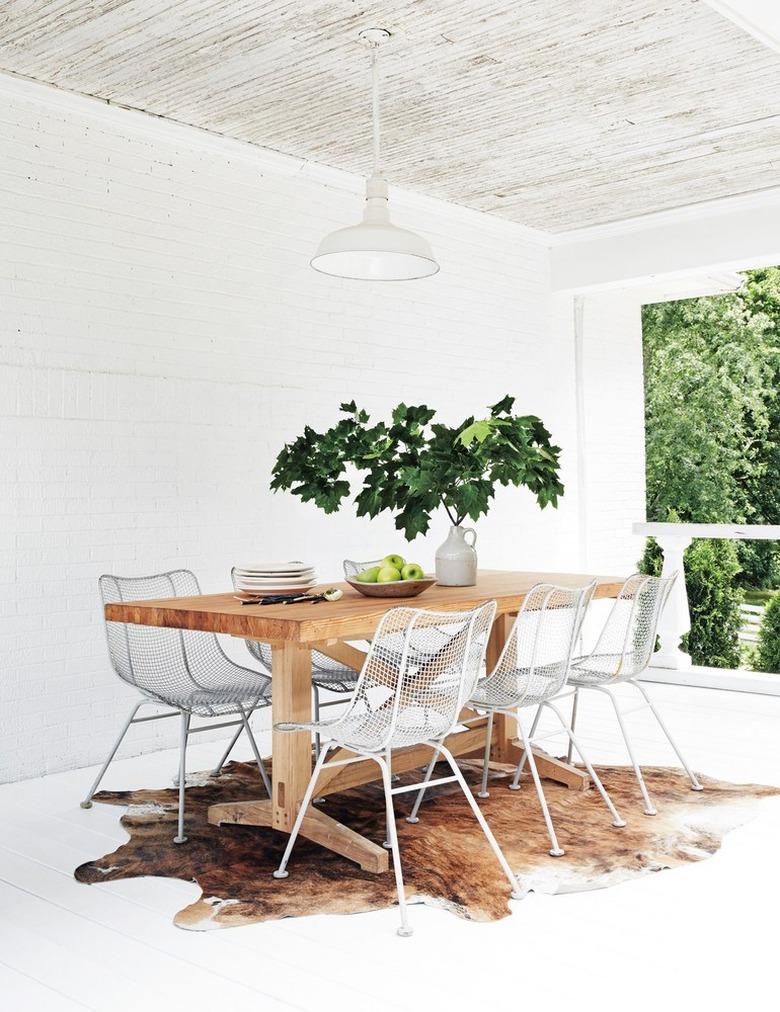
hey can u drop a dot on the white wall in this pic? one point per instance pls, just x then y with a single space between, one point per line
613 454
606 328
163 335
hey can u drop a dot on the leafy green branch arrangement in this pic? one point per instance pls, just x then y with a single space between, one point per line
415 465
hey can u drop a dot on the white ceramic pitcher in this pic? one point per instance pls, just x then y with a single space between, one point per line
456 559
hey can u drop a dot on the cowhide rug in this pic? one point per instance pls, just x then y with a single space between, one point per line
446 860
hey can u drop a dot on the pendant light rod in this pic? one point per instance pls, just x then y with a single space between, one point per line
375 104
373 38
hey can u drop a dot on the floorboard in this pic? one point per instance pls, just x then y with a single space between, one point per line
22 992
694 934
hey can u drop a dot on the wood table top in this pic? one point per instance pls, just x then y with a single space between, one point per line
354 616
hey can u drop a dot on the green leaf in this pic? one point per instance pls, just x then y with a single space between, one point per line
412 521
479 430
502 407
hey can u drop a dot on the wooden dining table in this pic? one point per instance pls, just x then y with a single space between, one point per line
330 627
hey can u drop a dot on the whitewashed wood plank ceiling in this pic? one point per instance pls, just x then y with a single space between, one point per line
551 113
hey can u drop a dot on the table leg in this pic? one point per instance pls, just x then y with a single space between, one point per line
292 767
504 727
291 750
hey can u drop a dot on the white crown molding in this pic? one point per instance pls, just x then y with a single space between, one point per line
172 131
739 235
759 18
770 196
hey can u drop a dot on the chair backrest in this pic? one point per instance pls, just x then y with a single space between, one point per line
627 640
420 669
260 651
159 661
536 657
351 569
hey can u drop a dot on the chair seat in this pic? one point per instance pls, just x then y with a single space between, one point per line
600 669
235 687
361 731
510 690
339 678
492 697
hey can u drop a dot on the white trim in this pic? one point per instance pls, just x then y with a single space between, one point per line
702 677
731 532
670 216
736 239
578 311
767 32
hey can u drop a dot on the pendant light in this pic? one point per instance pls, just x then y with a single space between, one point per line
375 249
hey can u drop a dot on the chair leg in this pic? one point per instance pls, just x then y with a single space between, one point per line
384 765
484 793
218 768
516 891
258 757
317 737
185 730
649 807
555 850
695 785
387 843
281 871
316 708
617 819
412 817
574 705
515 785
87 802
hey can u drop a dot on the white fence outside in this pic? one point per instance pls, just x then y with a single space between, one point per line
673 539
751 615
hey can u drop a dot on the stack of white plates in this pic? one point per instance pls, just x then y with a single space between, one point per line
267 577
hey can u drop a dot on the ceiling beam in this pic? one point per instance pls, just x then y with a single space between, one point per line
727 239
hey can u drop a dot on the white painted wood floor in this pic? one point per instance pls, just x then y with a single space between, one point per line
702 937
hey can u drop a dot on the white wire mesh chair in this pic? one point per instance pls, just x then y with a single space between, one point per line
186 670
622 652
530 671
326 673
411 700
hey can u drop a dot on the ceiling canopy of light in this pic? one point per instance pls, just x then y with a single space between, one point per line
375 249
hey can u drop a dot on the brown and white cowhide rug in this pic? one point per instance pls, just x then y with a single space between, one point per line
446 860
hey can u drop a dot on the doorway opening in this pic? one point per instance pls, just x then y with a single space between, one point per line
712 432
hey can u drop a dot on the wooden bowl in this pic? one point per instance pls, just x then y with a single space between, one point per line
399 589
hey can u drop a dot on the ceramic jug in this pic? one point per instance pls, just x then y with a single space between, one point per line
456 559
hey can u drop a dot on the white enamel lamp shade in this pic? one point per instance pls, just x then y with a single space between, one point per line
375 249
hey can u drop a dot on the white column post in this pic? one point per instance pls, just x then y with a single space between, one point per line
676 618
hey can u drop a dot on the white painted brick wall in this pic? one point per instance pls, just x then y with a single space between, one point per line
163 335
614 456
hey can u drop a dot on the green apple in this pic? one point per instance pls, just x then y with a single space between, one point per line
394 562
368 575
412 571
388 574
